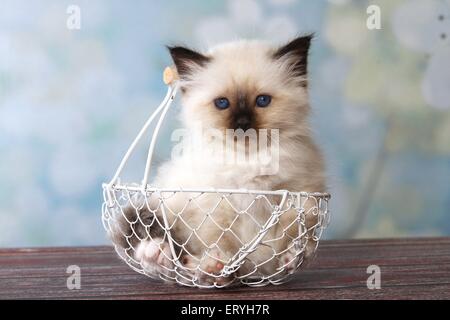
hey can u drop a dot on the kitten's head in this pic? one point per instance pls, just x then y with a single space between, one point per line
245 84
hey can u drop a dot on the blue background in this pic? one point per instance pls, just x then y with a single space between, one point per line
71 101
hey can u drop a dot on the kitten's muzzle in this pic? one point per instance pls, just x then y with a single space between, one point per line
243 122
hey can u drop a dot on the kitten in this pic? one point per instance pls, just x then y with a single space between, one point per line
238 85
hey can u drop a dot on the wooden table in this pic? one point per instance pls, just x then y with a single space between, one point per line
410 269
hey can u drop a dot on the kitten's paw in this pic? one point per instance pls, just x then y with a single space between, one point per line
209 270
154 256
310 249
288 261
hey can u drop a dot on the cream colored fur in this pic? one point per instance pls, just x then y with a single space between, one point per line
244 66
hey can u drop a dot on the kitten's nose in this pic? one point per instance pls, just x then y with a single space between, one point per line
243 123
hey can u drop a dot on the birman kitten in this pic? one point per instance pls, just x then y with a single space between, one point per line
243 85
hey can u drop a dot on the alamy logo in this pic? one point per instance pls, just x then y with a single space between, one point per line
74 19
74 280
259 149
374 280
373 21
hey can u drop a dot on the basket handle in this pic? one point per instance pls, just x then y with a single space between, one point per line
170 78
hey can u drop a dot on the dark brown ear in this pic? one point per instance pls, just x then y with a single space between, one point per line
186 60
297 50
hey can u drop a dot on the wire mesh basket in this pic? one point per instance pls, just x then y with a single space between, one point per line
273 232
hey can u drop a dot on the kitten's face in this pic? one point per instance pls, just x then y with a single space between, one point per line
245 84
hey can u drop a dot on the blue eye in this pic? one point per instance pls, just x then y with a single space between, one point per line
222 103
263 100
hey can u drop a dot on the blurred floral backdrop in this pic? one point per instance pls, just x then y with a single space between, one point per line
71 101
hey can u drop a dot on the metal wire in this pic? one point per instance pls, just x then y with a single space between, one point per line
282 228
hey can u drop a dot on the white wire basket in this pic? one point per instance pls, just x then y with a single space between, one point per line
274 232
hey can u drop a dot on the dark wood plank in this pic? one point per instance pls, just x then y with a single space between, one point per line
416 268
